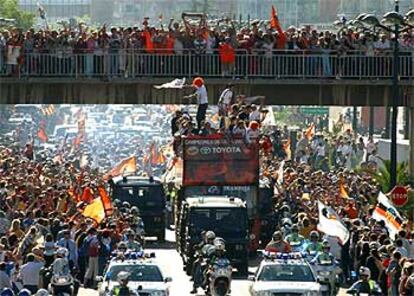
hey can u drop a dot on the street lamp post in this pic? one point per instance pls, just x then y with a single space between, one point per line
395 101
392 22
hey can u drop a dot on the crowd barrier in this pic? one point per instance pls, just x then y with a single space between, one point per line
248 65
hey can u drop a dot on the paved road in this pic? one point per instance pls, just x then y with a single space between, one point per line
171 265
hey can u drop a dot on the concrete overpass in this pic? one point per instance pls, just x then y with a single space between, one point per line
340 92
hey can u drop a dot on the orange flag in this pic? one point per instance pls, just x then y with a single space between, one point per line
42 135
310 132
95 210
274 20
87 195
286 147
106 201
342 192
127 165
275 24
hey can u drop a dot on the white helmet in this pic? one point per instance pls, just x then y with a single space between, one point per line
365 271
220 246
42 292
123 276
62 252
210 235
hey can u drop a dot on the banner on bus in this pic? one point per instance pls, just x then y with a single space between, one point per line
220 161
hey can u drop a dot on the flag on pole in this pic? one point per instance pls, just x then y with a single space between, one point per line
95 210
176 83
280 172
310 131
385 211
41 10
106 201
288 151
125 166
41 134
342 191
274 19
331 224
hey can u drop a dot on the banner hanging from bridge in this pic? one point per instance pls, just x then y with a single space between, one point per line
220 161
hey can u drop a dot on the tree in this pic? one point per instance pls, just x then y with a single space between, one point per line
10 9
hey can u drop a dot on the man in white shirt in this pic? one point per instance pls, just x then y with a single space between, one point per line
225 100
29 273
202 100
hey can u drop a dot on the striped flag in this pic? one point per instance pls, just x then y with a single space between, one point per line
106 201
48 110
385 211
126 166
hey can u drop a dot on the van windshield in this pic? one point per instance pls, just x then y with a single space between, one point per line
220 220
140 196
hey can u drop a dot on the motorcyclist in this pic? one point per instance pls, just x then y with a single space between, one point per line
314 245
122 289
325 261
219 254
203 250
277 244
325 254
286 226
60 265
133 244
294 238
365 284
137 221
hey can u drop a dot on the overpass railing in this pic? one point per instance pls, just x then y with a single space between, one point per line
247 64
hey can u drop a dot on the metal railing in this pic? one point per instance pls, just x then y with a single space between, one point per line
250 65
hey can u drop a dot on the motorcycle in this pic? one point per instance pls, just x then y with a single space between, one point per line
219 278
328 276
61 285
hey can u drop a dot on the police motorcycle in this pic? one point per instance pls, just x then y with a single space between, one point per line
327 270
365 286
219 272
61 281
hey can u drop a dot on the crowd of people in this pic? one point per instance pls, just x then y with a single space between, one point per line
336 169
43 195
185 47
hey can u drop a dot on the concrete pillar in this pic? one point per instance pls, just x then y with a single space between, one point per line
411 121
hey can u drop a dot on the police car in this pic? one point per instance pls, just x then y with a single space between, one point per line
285 274
146 278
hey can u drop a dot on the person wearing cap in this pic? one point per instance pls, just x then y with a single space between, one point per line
68 243
365 285
202 99
227 56
226 99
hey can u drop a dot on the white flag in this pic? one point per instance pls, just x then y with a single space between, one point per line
385 211
331 224
280 172
176 83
